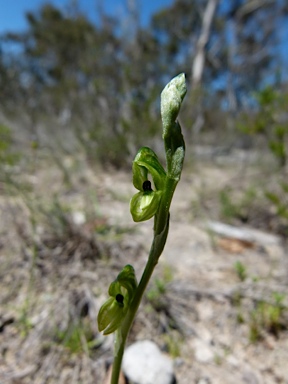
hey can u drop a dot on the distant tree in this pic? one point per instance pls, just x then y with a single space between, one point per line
105 77
240 44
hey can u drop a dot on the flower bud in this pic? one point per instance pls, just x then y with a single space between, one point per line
171 100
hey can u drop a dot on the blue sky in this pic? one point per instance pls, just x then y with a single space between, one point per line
12 12
12 15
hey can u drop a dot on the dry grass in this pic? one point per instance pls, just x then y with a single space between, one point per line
55 273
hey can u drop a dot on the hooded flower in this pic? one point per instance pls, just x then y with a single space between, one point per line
121 292
145 203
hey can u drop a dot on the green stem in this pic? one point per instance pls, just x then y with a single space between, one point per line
162 216
161 227
155 252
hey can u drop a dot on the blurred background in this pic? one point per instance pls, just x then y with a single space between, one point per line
80 85
91 72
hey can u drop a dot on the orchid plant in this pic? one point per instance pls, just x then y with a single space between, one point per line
155 187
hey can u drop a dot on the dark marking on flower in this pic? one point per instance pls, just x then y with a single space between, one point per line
119 298
147 186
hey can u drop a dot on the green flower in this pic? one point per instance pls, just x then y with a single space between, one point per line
145 203
121 292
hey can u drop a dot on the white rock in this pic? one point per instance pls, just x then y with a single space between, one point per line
203 333
232 360
204 310
246 234
203 354
203 381
78 218
144 363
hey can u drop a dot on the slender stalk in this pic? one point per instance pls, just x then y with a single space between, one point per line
122 333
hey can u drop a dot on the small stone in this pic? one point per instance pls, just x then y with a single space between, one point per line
249 377
203 333
203 354
144 363
78 218
232 360
205 311
203 381
178 362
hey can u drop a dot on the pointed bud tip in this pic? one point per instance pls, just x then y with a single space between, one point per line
171 100
176 87
179 83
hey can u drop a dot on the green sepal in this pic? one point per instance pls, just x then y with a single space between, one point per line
113 311
146 161
110 316
144 205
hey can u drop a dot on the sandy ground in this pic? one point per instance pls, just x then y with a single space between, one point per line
54 277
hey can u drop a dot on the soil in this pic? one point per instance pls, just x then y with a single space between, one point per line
62 243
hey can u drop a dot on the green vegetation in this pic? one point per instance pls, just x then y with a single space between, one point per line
279 201
173 342
158 303
270 122
241 270
267 317
77 338
280 204
8 156
159 287
24 323
237 208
